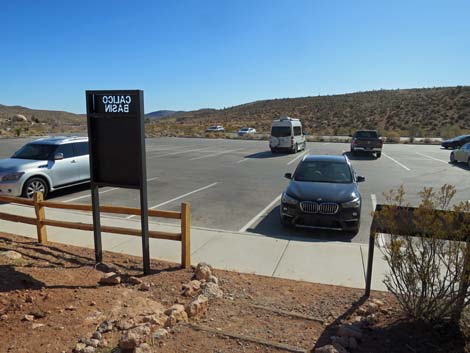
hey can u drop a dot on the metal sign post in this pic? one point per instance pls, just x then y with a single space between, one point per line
116 136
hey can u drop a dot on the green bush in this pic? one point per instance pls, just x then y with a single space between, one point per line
393 137
428 273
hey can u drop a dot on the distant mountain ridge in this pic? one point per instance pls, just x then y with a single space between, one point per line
427 111
159 114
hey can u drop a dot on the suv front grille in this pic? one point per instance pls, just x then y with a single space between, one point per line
315 207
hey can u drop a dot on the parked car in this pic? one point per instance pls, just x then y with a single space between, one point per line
246 131
287 135
461 155
456 142
215 128
45 165
367 141
323 194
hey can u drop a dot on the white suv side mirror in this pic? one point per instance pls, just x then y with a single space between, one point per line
58 156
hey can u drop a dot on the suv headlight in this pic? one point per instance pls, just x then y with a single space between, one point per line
12 176
289 200
354 203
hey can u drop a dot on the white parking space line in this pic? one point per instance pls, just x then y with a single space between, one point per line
180 152
179 197
398 163
299 156
89 195
101 192
242 160
215 154
436 159
259 215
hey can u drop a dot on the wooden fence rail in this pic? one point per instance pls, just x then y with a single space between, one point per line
41 222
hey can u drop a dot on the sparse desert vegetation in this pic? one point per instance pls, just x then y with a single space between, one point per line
428 112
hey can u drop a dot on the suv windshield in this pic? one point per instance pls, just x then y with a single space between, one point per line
35 151
323 172
280 131
366 134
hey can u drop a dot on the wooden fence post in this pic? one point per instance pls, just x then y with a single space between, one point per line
185 235
40 217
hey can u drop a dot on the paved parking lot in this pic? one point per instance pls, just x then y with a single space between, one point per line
235 185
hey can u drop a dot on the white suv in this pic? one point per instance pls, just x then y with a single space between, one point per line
45 165
287 135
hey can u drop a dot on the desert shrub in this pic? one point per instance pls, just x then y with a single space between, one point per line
428 272
393 137
450 131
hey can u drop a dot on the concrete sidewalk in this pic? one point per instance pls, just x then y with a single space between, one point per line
334 263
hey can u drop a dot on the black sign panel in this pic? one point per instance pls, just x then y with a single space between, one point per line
116 137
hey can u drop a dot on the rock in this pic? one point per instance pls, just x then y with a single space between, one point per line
352 343
160 333
89 349
97 335
203 271
197 306
326 349
143 348
378 302
144 287
71 308
125 324
361 311
36 325
191 287
343 341
212 291
371 319
92 303
28 317
29 298
174 308
340 348
79 347
153 320
19 118
105 326
110 278
349 331
93 342
213 279
103 343
10 254
4 317
134 280
38 314
372 308
134 337
175 314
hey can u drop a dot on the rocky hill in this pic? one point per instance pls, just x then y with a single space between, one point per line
21 121
429 111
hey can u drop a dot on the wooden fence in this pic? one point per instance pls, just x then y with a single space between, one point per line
40 221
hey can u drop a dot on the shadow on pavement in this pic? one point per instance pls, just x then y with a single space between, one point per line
69 191
463 166
265 155
360 156
271 226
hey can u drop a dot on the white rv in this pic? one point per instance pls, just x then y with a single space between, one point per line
287 135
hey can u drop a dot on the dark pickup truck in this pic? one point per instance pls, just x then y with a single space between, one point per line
366 141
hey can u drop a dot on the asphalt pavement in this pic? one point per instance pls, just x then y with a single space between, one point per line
235 185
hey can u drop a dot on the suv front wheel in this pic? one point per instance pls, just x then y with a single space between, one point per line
35 185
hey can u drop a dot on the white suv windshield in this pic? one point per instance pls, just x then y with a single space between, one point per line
35 151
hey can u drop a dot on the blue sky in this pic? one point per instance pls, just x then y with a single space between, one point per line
217 53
